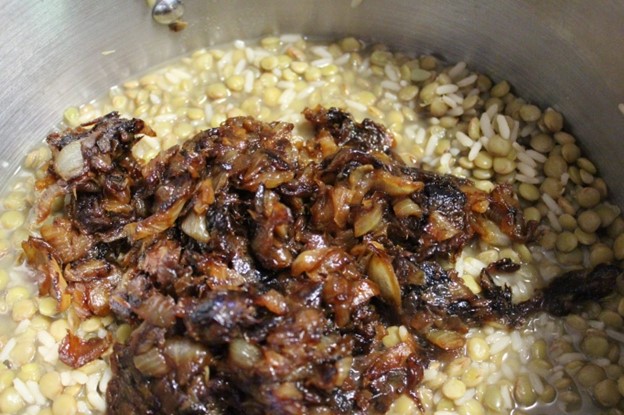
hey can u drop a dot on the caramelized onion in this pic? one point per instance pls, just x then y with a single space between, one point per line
69 162
194 225
151 363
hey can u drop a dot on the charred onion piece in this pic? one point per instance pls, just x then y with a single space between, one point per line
260 275
76 352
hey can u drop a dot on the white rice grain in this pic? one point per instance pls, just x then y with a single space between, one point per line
615 335
458 98
599 325
474 150
249 81
392 72
456 70
566 358
106 377
305 92
469 80
526 169
342 59
79 377
508 372
537 156
250 54
22 326
503 126
23 391
421 134
516 341
240 66
473 266
554 222
506 395
431 144
321 52
470 393
290 38
224 61
446 89
621 107
96 401
564 178
486 125
536 383
390 85
500 345
463 139
6 350
527 130
455 112
514 131
82 407
285 85
449 101
492 111
67 379
34 389
286 98
602 362
358 106
390 96
321 63
525 158
551 203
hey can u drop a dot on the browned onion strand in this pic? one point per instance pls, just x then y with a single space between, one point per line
260 275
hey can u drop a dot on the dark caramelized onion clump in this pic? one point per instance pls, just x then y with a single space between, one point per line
261 273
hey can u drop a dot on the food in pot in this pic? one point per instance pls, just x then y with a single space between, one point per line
445 119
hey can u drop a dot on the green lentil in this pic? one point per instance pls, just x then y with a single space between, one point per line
11 402
566 242
588 197
589 221
498 146
529 192
555 166
600 254
548 240
567 222
530 113
500 89
586 165
216 91
482 174
523 391
608 214
542 143
573 257
585 238
503 165
553 120
595 346
611 319
586 178
606 393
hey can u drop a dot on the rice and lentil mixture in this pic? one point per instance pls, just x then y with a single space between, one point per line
445 118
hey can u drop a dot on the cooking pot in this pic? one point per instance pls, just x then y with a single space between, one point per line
567 54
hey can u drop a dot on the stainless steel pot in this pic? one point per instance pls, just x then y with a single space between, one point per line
565 53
